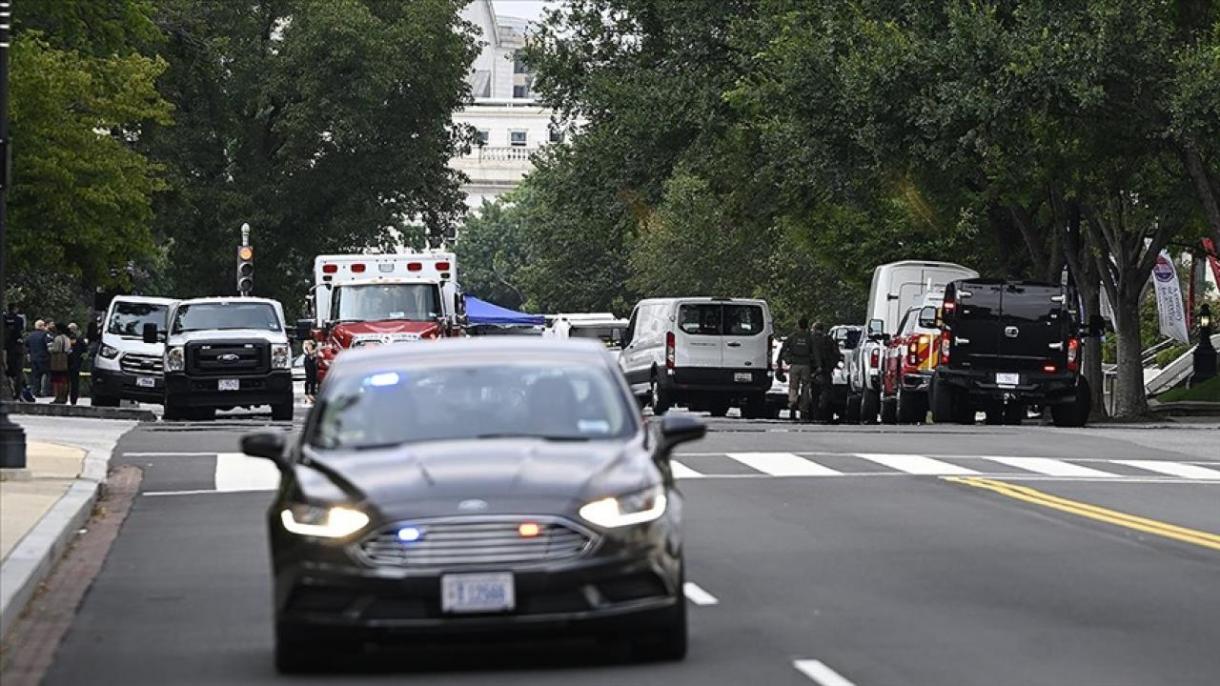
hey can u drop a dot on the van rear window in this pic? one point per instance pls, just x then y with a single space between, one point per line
710 319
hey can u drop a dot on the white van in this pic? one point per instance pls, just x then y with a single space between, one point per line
603 326
125 367
704 353
897 287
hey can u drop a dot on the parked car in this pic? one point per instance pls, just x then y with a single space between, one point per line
1006 345
707 354
896 288
127 367
910 358
840 407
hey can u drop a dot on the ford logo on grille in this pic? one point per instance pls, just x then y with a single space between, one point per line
472 505
229 357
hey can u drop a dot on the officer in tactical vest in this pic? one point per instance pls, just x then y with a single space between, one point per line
798 354
824 358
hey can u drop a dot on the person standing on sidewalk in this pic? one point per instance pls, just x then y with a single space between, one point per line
797 353
310 350
76 361
61 348
38 347
14 350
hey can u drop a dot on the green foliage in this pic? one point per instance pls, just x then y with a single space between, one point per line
80 205
324 125
491 252
1208 391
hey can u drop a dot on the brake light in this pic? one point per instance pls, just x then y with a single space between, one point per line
670 350
1073 357
874 360
946 342
357 268
917 349
442 266
1049 368
415 266
770 349
330 268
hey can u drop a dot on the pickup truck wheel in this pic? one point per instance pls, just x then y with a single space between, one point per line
1014 413
173 412
281 412
870 406
202 414
1075 413
889 410
912 407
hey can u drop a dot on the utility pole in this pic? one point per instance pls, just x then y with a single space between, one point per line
12 436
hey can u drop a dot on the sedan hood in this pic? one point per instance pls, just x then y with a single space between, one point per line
491 476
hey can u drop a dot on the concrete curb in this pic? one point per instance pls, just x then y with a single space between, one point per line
37 552
84 411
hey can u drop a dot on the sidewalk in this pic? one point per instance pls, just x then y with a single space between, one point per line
42 506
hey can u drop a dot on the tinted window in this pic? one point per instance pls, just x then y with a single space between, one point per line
226 316
469 401
374 302
743 320
700 320
128 318
1032 303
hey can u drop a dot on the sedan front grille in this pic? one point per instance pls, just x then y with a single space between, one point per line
146 365
475 541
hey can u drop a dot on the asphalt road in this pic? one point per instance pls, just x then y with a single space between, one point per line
827 555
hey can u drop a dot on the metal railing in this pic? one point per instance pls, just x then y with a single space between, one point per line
502 153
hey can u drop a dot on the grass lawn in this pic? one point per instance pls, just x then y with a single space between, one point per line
1207 391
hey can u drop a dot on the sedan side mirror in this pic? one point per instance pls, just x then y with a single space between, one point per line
677 430
267 444
149 333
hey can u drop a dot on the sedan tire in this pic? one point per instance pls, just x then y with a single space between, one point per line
667 642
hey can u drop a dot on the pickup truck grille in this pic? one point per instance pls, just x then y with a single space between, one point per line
228 358
144 365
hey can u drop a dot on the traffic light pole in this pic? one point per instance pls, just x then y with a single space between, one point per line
12 436
245 264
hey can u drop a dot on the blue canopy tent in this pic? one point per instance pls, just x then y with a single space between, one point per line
481 312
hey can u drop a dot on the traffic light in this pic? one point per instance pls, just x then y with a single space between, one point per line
245 270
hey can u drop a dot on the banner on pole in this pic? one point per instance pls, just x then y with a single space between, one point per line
1169 298
1214 261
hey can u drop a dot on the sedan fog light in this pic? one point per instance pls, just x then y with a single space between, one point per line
636 508
334 522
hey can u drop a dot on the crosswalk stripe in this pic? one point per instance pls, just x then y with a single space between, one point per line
915 464
1049 466
783 464
238 472
681 471
695 593
1186 471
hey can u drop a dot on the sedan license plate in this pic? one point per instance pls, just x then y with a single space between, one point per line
743 377
228 385
146 382
1007 379
468 593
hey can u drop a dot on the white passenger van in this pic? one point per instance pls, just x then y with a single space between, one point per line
127 368
708 354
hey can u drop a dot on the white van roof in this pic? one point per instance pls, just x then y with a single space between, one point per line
148 299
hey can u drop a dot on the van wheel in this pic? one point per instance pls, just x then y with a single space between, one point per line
659 397
755 407
1014 413
1075 413
104 401
718 407
851 413
912 407
889 410
281 412
870 406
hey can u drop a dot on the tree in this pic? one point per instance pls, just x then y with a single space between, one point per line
491 251
81 199
324 125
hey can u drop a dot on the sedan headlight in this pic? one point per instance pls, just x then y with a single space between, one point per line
175 359
108 352
323 522
281 357
636 508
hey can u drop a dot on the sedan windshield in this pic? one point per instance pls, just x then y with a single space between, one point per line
545 400
127 319
222 316
378 302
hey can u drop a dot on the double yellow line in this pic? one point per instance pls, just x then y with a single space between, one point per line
1101 514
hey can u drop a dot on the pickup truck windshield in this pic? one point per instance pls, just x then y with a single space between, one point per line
377 302
226 316
128 318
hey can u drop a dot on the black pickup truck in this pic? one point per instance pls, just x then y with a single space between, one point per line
1006 345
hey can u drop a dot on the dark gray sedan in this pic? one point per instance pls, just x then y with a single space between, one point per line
476 487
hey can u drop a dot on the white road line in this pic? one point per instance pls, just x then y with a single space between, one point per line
820 673
783 464
697 595
681 471
205 491
238 472
1186 471
152 454
1049 466
915 464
